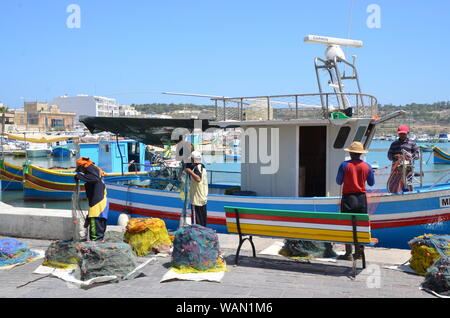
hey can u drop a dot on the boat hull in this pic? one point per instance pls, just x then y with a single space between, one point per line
395 218
11 177
42 184
440 156
38 153
61 152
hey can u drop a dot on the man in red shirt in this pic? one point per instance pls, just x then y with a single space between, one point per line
354 174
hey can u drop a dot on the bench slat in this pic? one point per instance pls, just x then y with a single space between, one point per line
348 222
299 214
314 236
322 226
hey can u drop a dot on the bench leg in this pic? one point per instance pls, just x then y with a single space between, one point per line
241 241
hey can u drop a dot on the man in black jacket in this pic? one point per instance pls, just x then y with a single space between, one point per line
92 176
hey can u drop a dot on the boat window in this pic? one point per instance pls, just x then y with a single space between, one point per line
360 133
341 137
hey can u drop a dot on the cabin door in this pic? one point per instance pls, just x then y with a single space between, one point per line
134 156
312 161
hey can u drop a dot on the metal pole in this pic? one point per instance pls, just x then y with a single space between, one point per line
3 132
224 110
421 168
120 152
268 108
296 106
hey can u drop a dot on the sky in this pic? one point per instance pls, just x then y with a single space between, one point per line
133 50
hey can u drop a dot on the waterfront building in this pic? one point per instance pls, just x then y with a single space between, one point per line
38 116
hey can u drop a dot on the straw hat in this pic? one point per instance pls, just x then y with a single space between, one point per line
356 147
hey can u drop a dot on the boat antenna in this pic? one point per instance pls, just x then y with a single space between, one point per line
349 30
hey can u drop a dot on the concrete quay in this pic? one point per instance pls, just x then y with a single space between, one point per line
266 276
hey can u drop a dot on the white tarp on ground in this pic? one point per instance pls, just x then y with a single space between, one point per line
40 254
209 276
69 275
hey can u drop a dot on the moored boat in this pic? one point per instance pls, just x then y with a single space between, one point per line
305 135
440 156
61 152
11 176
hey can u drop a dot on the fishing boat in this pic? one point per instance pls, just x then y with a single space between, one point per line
123 161
61 152
426 148
440 156
443 138
11 176
306 135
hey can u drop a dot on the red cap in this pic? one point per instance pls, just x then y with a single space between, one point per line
403 129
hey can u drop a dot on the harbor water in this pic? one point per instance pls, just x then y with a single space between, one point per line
228 172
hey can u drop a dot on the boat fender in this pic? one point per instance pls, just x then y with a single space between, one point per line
123 220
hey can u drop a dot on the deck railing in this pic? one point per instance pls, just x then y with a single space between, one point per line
298 106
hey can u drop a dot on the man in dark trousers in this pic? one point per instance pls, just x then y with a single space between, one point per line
92 176
396 182
354 174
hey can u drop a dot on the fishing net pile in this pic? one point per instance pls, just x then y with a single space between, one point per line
14 252
307 249
61 254
98 259
196 249
65 254
426 250
166 185
437 278
147 236
431 258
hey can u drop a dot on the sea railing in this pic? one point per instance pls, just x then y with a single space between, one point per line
297 106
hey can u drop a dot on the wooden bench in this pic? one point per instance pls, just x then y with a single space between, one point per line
343 228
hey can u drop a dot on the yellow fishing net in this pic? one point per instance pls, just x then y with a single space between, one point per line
426 250
147 236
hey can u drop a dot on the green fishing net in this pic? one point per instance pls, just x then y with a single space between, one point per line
307 249
196 249
64 254
61 254
437 278
106 259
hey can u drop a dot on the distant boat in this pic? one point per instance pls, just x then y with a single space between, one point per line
443 138
37 153
375 165
427 148
61 152
440 156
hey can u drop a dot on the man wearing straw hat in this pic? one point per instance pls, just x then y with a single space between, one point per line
353 175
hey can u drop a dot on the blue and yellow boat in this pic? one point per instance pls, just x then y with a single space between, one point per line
59 184
440 156
11 177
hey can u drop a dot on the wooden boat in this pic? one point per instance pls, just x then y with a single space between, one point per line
440 156
307 143
11 177
61 152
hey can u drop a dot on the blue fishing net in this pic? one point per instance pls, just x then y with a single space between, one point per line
13 252
195 247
